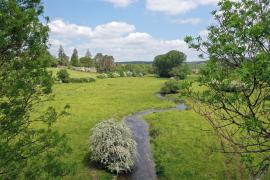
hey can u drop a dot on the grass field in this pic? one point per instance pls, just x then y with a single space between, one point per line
185 147
94 102
181 146
74 74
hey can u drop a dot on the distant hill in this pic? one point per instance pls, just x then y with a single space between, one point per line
196 64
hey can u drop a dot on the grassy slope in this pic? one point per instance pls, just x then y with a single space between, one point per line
101 100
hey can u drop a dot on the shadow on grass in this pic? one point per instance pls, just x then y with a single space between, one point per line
88 162
93 164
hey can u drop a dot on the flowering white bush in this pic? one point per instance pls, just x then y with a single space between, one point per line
129 73
103 76
112 145
228 85
123 74
115 75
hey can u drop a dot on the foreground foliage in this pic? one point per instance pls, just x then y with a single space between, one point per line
237 80
27 151
112 144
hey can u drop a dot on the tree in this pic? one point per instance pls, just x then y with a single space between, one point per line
180 72
63 76
104 63
163 64
98 56
62 57
88 54
87 60
48 59
237 80
74 61
29 145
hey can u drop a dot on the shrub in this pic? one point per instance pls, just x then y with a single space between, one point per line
114 75
112 145
140 74
109 75
229 86
134 74
81 80
63 76
180 72
170 87
123 74
129 74
120 74
103 76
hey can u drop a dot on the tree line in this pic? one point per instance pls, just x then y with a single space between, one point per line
171 64
102 63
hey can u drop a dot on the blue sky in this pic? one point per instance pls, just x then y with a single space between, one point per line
130 30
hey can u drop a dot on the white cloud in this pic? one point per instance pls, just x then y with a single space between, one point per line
58 27
113 29
115 38
174 7
193 21
120 3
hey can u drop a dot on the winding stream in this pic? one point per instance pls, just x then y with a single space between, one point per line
144 166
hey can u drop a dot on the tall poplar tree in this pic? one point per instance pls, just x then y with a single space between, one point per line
62 57
74 61
88 54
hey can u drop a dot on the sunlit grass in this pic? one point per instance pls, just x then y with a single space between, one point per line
185 147
74 74
182 149
94 102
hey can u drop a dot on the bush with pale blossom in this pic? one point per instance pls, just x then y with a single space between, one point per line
112 145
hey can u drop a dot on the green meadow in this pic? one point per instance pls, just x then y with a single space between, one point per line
183 144
102 100
185 147
150 109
